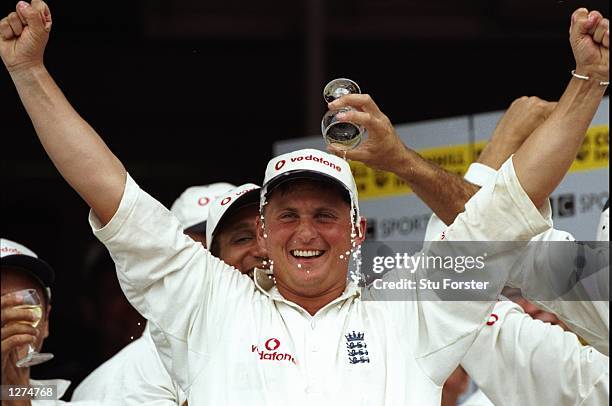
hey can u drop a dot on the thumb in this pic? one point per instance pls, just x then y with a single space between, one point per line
31 16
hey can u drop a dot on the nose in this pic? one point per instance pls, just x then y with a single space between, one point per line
306 232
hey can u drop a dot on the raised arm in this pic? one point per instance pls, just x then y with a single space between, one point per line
444 192
75 148
541 161
520 120
545 157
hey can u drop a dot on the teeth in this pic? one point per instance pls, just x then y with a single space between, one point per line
309 253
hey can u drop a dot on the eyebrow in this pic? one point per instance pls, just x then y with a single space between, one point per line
315 210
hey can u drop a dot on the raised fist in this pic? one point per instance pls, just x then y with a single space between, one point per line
590 40
24 34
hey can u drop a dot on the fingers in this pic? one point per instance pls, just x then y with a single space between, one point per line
12 314
10 300
32 17
374 125
602 31
579 22
593 20
16 341
6 32
45 13
361 102
15 23
13 329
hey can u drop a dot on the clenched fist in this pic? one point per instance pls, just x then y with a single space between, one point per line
24 34
590 40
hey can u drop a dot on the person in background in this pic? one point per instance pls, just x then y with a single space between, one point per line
21 269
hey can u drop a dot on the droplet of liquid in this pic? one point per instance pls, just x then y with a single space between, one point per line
265 235
341 256
299 265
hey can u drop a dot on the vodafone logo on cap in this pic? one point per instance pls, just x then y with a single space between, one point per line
11 250
279 165
316 159
203 201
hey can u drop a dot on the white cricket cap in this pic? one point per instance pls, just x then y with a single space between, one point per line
17 255
191 208
310 164
235 199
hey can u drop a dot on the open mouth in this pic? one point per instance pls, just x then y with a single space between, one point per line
306 254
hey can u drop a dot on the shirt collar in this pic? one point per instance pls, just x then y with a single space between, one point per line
266 286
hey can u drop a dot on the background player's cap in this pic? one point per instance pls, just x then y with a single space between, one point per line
191 208
20 256
310 164
223 206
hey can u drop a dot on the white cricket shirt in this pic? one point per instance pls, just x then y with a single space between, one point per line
537 270
227 342
133 376
517 360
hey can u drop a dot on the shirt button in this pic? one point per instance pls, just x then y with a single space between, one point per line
314 348
313 324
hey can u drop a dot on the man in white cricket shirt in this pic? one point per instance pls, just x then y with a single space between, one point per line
136 375
232 343
510 338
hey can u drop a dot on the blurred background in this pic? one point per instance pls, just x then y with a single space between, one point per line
195 92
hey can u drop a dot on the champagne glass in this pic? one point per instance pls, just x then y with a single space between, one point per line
31 301
344 135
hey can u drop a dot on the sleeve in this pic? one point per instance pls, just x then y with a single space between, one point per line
134 376
571 280
441 331
479 175
500 211
147 382
589 319
161 270
516 360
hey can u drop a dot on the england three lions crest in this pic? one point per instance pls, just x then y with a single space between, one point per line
356 348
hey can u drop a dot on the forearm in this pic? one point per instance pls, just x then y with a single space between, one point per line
545 157
444 192
77 151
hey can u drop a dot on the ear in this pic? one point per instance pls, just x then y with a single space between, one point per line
260 231
360 229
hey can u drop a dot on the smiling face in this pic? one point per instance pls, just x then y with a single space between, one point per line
236 242
307 235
